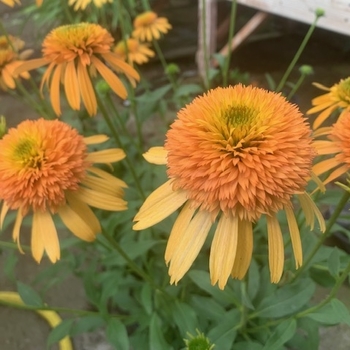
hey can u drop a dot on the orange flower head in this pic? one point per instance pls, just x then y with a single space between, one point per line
10 59
336 147
45 168
72 52
133 51
337 96
82 4
235 154
148 26
11 3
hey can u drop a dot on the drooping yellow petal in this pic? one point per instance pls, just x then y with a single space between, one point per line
326 147
276 248
189 246
4 210
323 116
119 64
101 185
295 237
244 249
16 230
55 90
44 237
76 223
113 181
110 155
95 139
310 211
159 205
179 229
223 250
324 166
71 86
87 91
156 155
30 65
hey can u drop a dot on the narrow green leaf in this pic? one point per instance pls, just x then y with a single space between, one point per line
283 332
334 262
117 334
29 296
146 298
287 300
185 318
59 332
156 334
87 324
248 345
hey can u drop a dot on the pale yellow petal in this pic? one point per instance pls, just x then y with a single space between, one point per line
16 230
86 89
101 185
106 156
160 204
320 86
179 229
114 181
336 173
189 246
324 166
325 147
31 64
244 249
276 248
55 90
77 224
100 200
323 116
4 210
119 64
44 237
156 155
95 139
295 237
223 250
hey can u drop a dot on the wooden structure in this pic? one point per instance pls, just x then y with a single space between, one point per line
336 18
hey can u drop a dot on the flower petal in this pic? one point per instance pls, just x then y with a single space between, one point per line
71 86
295 237
106 156
156 155
87 91
95 139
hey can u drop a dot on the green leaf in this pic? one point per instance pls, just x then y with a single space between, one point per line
253 280
287 299
156 334
283 332
224 334
117 334
308 337
207 308
146 298
29 296
188 89
59 332
334 262
332 313
87 324
248 345
154 96
270 82
185 318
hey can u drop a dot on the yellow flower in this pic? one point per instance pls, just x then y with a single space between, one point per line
45 168
74 53
81 4
148 26
234 155
133 51
337 96
337 145
11 3
10 59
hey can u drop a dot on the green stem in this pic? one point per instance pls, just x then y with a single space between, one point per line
230 37
164 64
296 86
297 55
14 246
120 144
332 220
205 49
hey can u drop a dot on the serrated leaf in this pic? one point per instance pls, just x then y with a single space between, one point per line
334 262
117 334
156 334
185 318
281 335
29 296
286 300
59 332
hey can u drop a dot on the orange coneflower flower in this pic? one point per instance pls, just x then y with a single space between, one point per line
10 59
72 52
45 168
233 154
337 144
11 3
337 96
133 51
148 26
81 4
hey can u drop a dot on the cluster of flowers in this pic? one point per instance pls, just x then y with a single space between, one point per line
233 155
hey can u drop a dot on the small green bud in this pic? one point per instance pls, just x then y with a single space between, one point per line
319 12
172 69
198 342
102 87
3 128
306 69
